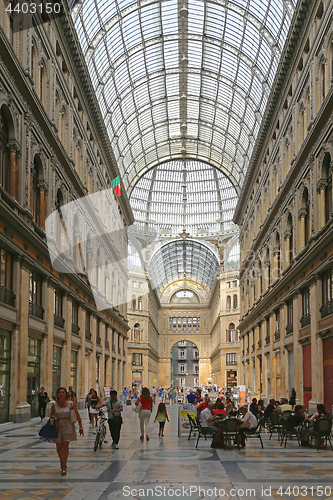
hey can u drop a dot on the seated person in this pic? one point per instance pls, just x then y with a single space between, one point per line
191 397
284 406
261 408
219 400
297 417
229 406
320 413
271 407
202 406
254 406
249 423
207 419
219 409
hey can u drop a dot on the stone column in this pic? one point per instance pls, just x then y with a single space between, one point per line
22 412
12 168
287 236
81 383
301 218
93 354
298 364
17 175
317 375
49 307
321 185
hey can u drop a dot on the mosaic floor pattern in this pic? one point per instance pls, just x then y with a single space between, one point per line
169 467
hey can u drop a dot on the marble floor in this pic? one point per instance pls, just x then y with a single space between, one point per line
168 467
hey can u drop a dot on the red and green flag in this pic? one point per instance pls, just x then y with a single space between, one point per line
116 185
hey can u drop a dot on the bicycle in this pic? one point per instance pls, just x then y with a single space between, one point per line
101 428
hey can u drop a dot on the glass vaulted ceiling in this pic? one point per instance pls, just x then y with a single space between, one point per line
184 194
177 79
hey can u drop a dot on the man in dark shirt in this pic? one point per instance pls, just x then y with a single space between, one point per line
297 417
191 398
271 407
254 407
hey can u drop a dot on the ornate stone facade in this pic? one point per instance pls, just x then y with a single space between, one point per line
55 149
286 258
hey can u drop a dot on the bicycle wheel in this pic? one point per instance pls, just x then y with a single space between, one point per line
103 432
96 441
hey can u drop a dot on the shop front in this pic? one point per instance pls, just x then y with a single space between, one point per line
33 385
4 375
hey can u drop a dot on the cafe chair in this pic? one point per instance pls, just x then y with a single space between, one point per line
275 425
254 433
193 426
321 432
288 432
202 431
230 431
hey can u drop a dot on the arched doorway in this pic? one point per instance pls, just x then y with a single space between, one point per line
184 364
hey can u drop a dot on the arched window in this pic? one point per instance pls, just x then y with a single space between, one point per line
140 303
133 303
4 152
34 62
136 333
235 302
228 303
231 333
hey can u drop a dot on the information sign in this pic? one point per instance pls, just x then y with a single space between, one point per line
183 423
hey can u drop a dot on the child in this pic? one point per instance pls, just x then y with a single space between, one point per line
161 417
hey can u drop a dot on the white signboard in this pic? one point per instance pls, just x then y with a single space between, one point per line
183 423
107 392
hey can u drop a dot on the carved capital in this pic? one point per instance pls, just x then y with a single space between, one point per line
287 234
302 213
321 184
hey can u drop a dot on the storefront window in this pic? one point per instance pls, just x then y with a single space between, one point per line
33 375
56 370
74 370
4 375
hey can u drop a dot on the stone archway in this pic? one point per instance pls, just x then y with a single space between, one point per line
167 342
184 366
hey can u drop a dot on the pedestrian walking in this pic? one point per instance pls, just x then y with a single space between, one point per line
115 420
94 400
43 399
87 402
61 411
146 402
161 417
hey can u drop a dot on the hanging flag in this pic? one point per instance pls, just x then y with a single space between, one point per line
116 185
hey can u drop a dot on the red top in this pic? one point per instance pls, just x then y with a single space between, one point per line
146 403
201 407
220 412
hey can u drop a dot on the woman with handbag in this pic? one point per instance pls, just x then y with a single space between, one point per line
66 413
146 402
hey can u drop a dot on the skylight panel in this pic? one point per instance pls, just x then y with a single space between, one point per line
171 54
169 16
194 54
193 84
172 85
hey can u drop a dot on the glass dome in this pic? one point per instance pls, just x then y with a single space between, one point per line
184 194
